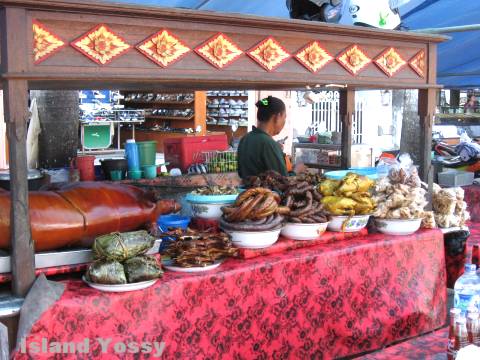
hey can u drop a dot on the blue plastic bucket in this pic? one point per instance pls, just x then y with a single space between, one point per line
340 174
166 222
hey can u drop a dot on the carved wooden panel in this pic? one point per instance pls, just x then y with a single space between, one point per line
195 29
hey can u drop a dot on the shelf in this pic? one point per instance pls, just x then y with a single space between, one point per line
228 96
226 106
228 116
459 116
104 122
159 131
317 146
168 118
323 166
145 102
226 125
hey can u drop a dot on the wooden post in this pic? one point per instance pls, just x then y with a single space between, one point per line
200 111
347 110
14 54
426 110
427 102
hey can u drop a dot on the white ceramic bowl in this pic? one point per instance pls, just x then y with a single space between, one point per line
352 223
398 226
120 287
254 240
304 231
208 211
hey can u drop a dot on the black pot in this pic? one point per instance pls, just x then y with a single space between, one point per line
35 180
114 164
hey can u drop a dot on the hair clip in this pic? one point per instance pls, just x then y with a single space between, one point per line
264 102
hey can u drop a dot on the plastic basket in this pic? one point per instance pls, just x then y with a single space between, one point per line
219 161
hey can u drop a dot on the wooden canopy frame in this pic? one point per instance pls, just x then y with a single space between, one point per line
65 67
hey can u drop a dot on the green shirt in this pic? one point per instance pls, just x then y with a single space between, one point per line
257 153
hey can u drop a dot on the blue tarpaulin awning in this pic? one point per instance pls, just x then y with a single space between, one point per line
459 58
274 8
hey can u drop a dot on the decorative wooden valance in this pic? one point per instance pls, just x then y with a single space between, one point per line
118 45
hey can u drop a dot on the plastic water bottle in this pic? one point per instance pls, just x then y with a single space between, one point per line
467 289
131 153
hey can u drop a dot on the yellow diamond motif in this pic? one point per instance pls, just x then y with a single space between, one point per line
417 63
163 48
45 43
219 51
390 61
353 59
269 54
313 57
101 44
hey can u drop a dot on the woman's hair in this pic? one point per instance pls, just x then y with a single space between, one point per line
269 107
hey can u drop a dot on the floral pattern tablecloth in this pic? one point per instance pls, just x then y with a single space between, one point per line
320 302
472 198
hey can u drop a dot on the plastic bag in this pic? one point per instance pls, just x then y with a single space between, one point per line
464 138
142 268
122 246
404 172
384 165
106 272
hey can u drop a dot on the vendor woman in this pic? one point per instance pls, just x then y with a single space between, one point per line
258 151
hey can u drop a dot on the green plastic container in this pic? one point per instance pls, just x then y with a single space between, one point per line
147 151
149 171
116 175
135 174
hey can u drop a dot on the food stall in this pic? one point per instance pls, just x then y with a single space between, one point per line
337 298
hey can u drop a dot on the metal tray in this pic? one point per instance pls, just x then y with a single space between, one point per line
48 259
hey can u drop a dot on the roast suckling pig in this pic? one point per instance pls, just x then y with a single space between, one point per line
77 213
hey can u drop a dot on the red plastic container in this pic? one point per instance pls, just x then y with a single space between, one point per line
181 152
85 166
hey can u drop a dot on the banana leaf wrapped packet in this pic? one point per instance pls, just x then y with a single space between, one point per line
122 246
106 272
142 268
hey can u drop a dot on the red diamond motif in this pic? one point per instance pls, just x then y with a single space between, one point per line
163 48
219 51
101 44
269 54
353 59
390 61
418 63
45 43
313 56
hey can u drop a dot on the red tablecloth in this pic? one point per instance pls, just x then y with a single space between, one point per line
472 198
432 346
326 301
474 239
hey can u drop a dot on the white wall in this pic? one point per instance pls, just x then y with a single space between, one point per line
377 115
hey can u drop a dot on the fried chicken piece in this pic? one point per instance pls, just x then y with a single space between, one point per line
328 187
339 205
